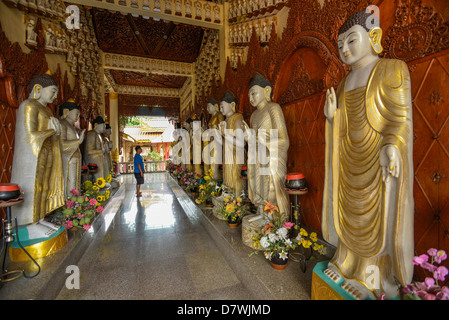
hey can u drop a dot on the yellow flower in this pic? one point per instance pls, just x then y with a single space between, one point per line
230 208
95 187
238 199
207 178
101 182
303 232
314 237
306 243
212 193
107 193
108 178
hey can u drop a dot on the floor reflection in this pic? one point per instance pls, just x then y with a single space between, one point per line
151 211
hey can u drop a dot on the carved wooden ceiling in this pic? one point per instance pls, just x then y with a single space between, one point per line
132 78
137 36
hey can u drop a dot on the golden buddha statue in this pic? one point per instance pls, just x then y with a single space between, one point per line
233 154
266 177
210 153
69 113
37 162
94 148
368 195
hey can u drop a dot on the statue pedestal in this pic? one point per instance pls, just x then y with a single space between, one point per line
39 247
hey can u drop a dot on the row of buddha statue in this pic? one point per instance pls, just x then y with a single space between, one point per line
368 202
47 157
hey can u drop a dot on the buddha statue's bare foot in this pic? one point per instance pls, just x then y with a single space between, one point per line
357 290
333 274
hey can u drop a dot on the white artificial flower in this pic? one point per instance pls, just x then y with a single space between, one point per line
273 237
282 232
264 242
283 255
288 242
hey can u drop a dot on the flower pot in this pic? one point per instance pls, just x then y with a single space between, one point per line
233 223
278 263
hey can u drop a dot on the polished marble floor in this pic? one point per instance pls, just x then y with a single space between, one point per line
153 249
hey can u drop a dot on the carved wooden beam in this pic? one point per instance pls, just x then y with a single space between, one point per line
141 64
200 13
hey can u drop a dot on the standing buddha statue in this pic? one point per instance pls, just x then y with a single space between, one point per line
216 118
368 203
69 113
94 148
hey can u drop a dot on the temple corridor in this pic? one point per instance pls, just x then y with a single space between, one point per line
161 246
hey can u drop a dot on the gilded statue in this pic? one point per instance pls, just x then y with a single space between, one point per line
216 118
107 144
94 148
233 154
69 113
266 181
267 133
37 162
368 195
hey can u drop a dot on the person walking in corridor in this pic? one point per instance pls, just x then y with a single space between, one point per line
138 170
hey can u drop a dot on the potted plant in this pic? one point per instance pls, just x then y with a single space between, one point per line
207 190
233 210
274 241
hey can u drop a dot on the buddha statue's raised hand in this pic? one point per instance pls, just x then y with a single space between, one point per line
331 103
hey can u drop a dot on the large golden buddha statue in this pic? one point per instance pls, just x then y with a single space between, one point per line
94 148
368 195
233 154
216 118
69 114
37 162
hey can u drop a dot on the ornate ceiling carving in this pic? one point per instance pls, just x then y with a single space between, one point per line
137 36
132 78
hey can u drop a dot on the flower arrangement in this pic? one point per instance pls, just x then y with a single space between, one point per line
429 289
93 190
208 189
273 237
78 211
233 209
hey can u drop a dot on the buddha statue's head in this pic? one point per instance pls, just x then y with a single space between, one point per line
259 91
188 124
359 38
107 130
99 124
70 111
43 88
212 106
228 104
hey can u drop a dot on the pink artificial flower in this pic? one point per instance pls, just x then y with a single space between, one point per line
428 266
69 204
288 225
419 260
440 273
75 192
443 294
93 202
432 252
440 256
86 226
99 209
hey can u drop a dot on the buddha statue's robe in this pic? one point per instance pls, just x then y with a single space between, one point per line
232 169
71 157
267 181
107 145
37 163
372 219
94 152
213 123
